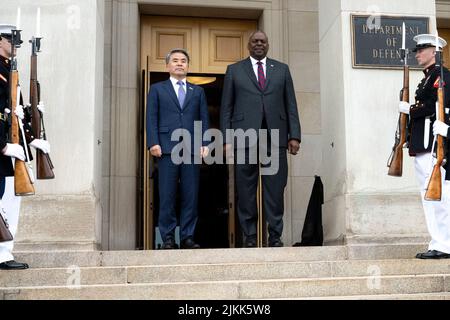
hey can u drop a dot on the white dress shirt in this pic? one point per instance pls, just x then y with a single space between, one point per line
255 66
176 86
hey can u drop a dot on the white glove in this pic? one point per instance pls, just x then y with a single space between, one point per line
19 112
41 107
15 151
40 144
404 107
440 128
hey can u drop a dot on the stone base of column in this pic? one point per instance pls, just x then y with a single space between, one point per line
375 219
57 223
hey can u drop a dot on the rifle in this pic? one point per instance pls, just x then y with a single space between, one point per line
44 165
23 182
395 162
434 188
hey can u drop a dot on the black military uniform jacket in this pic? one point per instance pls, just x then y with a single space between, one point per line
423 112
6 168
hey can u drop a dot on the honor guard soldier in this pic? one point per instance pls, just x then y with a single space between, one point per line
9 203
422 121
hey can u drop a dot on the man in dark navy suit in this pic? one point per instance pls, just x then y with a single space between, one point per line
176 104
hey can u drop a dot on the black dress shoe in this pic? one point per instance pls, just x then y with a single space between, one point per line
169 244
433 254
419 255
189 243
250 243
276 243
13 265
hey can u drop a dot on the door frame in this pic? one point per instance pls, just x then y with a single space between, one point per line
122 47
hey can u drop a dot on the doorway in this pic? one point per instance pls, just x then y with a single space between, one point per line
213 44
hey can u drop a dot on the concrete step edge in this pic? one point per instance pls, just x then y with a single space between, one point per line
445 262
264 289
336 279
153 274
412 296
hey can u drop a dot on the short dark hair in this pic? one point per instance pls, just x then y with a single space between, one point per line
255 32
177 51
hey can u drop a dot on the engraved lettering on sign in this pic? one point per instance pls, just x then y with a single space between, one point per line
381 47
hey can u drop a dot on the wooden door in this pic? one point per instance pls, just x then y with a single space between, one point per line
212 44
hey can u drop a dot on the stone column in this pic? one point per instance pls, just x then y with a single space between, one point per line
303 56
123 131
359 114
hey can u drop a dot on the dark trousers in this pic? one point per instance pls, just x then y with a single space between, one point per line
169 176
2 186
273 186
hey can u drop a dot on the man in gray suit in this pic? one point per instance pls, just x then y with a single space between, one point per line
259 94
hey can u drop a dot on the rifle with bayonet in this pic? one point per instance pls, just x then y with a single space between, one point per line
434 188
23 173
395 162
44 165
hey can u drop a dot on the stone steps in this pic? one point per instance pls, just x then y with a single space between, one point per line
250 289
414 296
358 271
62 259
223 272
177 257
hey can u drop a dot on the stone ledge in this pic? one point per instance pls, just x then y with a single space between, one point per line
259 289
37 246
388 239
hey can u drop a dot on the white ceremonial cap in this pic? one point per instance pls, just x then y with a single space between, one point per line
427 41
6 29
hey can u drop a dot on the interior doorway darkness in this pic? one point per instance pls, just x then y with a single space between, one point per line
213 203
